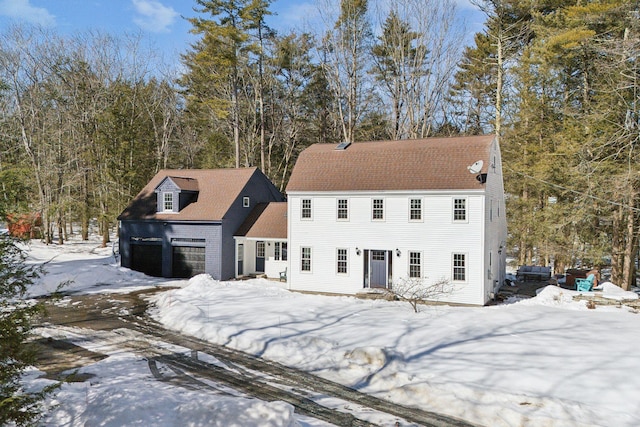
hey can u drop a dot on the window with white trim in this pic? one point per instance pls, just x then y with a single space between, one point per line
240 255
305 259
246 202
168 202
459 267
459 209
342 261
260 249
305 212
343 209
280 251
415 210
415 265
377 209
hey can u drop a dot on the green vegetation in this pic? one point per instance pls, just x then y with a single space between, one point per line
17 406
87 120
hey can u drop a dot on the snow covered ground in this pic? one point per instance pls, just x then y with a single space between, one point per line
544 361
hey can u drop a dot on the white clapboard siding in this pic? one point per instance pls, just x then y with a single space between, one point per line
495 225
437 237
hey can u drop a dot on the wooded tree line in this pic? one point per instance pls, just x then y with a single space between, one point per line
562 79
87 120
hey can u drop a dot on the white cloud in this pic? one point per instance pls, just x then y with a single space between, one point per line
153 16
23 11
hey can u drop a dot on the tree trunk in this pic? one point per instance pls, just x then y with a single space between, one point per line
631 243
84 215
616 247
499 84
60 229
105 232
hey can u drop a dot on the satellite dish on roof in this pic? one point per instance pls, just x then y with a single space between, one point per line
476 167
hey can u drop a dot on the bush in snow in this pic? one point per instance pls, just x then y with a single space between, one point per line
415 291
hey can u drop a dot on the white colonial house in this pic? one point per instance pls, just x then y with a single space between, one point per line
373 214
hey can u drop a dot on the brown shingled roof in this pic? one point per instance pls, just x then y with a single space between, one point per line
186 184
218 189
266 221
420 164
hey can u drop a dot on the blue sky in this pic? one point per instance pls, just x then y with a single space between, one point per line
161 22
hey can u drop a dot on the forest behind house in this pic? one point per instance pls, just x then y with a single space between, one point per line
86 120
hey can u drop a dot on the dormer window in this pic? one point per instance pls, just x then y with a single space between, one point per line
174 194
168 202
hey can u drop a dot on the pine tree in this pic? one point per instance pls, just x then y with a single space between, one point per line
214 81
17 406
591 49
473 91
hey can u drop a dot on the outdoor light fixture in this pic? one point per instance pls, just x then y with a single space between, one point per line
397 252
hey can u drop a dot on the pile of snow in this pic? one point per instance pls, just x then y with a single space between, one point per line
611 291
555 296
543 361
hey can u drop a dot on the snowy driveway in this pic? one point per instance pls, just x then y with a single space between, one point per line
107 324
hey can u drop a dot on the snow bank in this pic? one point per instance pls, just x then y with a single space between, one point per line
534 363
611 291
555 296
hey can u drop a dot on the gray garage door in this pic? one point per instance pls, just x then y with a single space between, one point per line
147 259
187 261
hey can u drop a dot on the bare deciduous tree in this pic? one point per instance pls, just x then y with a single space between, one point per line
346 48
424 45
416 291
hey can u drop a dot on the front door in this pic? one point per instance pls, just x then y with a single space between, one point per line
260 256
378 269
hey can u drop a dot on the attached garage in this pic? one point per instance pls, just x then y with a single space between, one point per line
182 222
147 258
187 261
